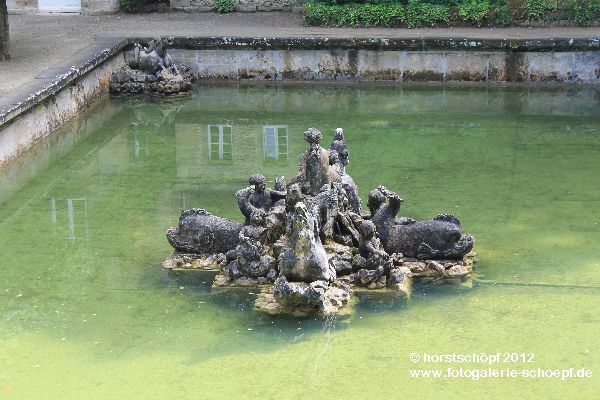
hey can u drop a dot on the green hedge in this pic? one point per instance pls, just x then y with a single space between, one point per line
356 15
418 13
585 12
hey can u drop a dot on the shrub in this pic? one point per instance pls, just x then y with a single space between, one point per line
224 6
583 12
475 11
420 14
136 6
355 15
536 10
500 15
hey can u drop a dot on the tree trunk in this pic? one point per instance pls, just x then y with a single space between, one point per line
4 39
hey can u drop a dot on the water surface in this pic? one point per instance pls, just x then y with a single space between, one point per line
88 313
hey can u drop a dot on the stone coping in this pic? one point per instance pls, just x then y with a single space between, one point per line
55 79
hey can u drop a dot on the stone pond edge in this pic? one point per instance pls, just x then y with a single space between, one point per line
38 100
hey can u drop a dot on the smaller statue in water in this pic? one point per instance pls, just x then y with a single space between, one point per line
151 70
152 59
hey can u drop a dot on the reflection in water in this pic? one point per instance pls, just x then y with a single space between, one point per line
220 142
139 141
275 140
76 217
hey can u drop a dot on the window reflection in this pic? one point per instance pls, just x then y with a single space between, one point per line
220 142
275 140
76 218
139 142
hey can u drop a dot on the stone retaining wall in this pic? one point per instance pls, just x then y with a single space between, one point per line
240 5
441 60
51 108
59 97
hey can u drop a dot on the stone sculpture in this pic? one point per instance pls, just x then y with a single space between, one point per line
151 70
305 259
311 241
202 233
438 238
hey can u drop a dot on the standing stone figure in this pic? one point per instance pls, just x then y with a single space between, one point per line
339 144
314 169
305 260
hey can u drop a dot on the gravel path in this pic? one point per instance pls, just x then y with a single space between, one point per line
42 41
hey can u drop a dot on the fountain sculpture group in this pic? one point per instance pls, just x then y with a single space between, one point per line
309 245
151 70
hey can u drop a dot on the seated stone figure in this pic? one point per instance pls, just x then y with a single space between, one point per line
370 247
250 256
438 238
258 196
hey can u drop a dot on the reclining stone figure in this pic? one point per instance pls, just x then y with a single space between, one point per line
439 238
152 59
203 233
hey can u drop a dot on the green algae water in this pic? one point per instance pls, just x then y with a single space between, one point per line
87 312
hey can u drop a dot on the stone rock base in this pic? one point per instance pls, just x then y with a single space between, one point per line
189 261
299 299
224 281
167 83
334 300
442 271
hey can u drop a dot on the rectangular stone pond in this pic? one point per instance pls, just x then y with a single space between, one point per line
88 313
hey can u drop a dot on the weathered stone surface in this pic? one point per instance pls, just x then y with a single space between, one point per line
185 261
151 70
438 238
302 299
441 270
306 259
342 263
400 279
203 233
372 279
300 294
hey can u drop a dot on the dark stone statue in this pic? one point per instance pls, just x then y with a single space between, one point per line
250 257
313 170
305 260
152 59
439 238
202 233
258 196
151 70
340 175
339 145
